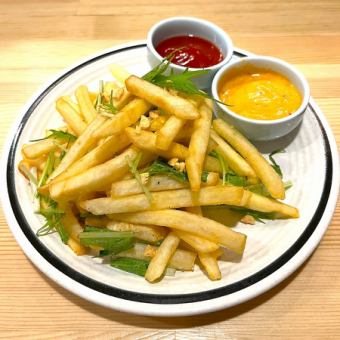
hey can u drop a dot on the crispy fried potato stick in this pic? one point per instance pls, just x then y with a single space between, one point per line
75 106
38 149
197 225
85 104
146 140
265 204
198 145
160 260
158 122
120 73
98 177
98 155
262 168
70 116
76 247
143 232
156 183
210 264
124 118
182 259
198 243
79 147
155 95
168 132
234 160
170 199
71 223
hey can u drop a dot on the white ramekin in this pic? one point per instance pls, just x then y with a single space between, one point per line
264 129
184 26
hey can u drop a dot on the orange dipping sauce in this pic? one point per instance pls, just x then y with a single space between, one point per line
259 93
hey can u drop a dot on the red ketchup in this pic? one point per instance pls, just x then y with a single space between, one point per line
192 51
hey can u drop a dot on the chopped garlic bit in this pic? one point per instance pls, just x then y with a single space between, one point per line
114 88
149 251
175 163
154 114
144 123
247 219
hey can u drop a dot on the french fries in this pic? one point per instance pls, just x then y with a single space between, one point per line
70 116
167 200
262 168
85 104
197 225
145 160
157 96
168 132
95 178
156 183
85 141
198 145
234 160
124 118
160 260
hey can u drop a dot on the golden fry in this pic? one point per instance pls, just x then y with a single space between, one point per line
168 132
159 97
85 104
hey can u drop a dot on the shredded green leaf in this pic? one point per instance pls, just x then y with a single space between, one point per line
113 241
131 265
275 166
30 176
180 82
259 189
259 216
102 106
235 179
58 134
133 166
223 164
53 222
160 167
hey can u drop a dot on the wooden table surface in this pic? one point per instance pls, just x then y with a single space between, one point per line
39 38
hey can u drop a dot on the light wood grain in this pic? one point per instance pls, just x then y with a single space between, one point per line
39 38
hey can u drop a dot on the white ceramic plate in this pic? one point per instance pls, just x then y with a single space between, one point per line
274 250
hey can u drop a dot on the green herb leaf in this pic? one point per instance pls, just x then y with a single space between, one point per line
113 241
236 180
102 106
48 169
58 134
223 164
159 167
259 189
275 166
287 185
133 166
134 266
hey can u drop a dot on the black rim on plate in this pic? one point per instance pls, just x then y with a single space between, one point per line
143 297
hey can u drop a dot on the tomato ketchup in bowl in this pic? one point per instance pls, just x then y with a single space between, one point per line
190 51
198 44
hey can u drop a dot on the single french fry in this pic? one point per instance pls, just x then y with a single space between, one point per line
85 104
98 177
38 149
124 118
79 147
160 260
167 133
169 199
271 180
98 155
158 122
155 95
156 183
198 145
198 243
75 106
234 160
210 264
143 232
197 225
71 224
76 247
265 204
181 260
70 116
146 140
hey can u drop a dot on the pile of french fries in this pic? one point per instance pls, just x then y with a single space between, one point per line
102 178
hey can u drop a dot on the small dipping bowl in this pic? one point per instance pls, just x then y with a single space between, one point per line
178 26
257 129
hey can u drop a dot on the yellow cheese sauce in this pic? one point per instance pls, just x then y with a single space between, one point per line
259 94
